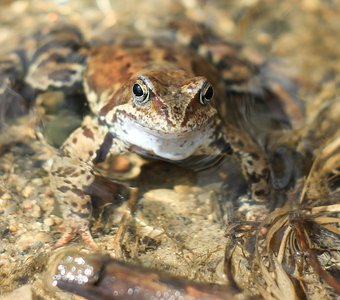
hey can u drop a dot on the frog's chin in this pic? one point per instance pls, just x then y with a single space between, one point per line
173 146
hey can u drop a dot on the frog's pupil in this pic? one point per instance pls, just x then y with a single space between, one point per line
137 90
209 93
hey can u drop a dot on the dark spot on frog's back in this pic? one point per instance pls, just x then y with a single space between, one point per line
88 133
195 42
240 143
86 206
254 177
80 215
224 146
255 156
62 37
53 58
260 193
64 75
125 67
78 192
143 55
169 56
63 189
67 171
136 41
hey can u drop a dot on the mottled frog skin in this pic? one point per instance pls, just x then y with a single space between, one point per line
167 101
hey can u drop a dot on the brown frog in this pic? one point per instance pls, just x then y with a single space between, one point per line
161 100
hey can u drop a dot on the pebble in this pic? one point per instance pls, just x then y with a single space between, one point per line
36 211
51 101
264 38
12 228
37 181
11 209
33 208
182 189
49 222
22 293
6 196
27 204
32 240
19 7
27 191
310 5
3 204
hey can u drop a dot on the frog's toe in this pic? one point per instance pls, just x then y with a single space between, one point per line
88 240
252 210
71 232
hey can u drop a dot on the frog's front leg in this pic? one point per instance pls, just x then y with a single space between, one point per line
253 161
72 173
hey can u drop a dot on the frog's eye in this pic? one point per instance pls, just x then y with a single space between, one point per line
206 94
140 92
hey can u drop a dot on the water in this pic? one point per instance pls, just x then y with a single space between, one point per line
180 216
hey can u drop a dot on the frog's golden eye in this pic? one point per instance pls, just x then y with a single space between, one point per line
206 94
140 92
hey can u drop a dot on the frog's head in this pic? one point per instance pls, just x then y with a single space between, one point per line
166 101
162 110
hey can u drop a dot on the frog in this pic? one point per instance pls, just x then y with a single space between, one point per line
162 100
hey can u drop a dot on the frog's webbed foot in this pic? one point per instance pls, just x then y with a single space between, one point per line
72 231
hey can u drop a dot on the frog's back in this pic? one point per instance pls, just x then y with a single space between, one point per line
247 92
243 91
112 69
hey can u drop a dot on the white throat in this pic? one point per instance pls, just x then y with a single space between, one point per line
167 146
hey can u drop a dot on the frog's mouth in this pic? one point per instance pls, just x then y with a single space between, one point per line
166 145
